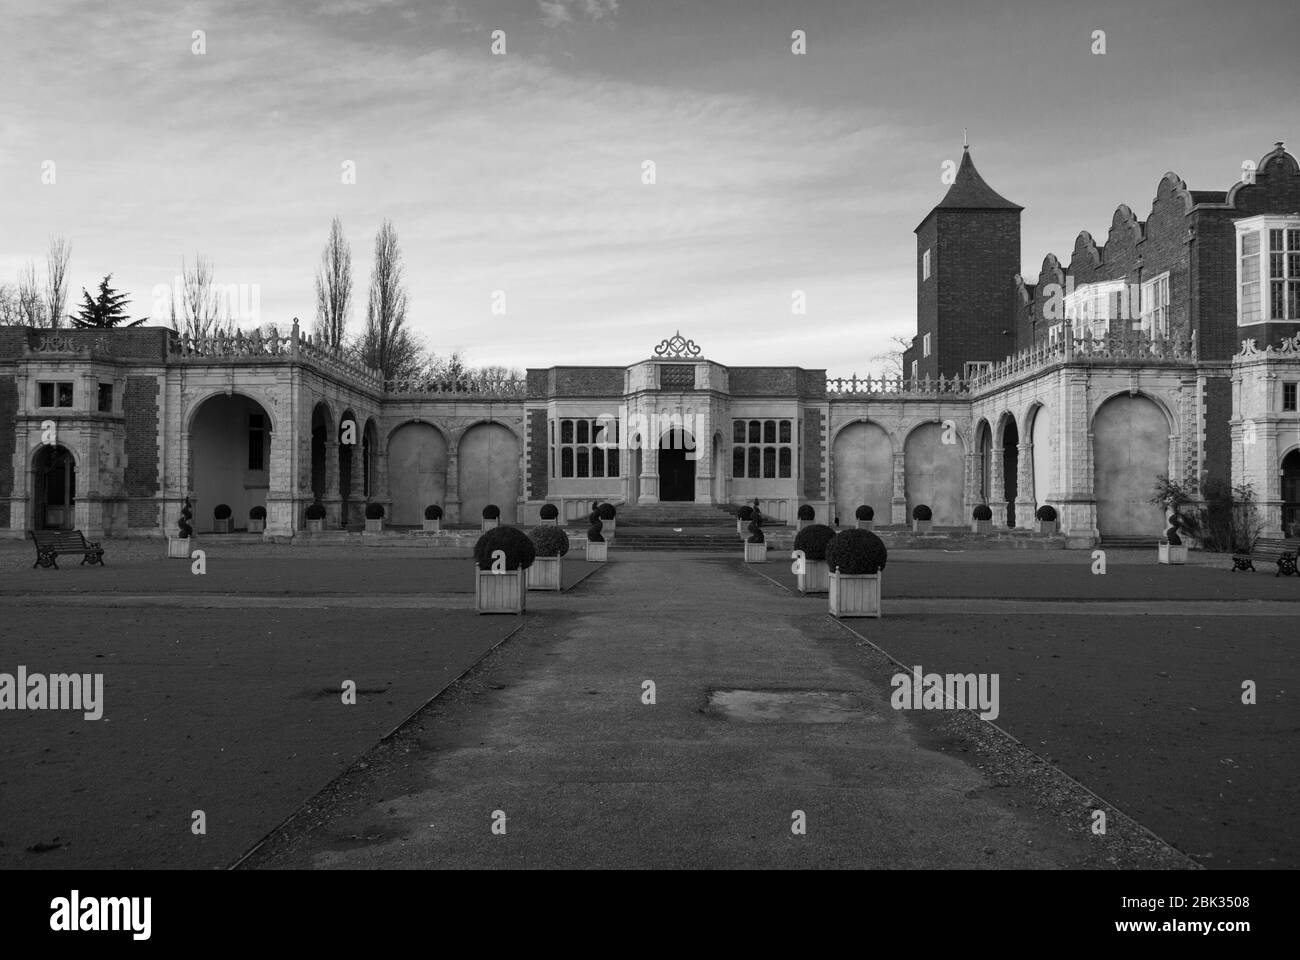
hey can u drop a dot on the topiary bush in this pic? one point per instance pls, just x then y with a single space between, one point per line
433 512
1171 531
316 511
806 512
519 550
982 512
813 541
745 513
257 513
549 541
756 528
222 512
921 512
184 526
593 531
491 512
374 511
856 552
549 511
864 513
1046 512
606 511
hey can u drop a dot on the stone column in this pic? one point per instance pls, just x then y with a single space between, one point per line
898 506
356 491
649 471
283 517
1025 492
997 485
332 499
451 508
972 482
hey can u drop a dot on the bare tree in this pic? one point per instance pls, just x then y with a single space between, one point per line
10 310
30 303
56 280
891 361
203 312
386 344
334 286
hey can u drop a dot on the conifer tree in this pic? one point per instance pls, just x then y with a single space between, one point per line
106 310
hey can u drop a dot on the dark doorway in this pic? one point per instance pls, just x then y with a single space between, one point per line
676 471
1291 494
1010 467
55 487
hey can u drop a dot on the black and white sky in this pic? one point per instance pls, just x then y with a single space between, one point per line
523 172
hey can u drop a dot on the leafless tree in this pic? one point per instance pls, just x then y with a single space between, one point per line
334 286
891 361
386 344
10 310
30 303
56 280
202 311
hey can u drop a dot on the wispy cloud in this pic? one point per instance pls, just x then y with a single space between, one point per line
557 12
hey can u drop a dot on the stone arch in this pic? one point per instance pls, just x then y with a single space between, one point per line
862 464
488 469
229 457
266 403
1007 436
1288 468
934 473
1130 443
52 468
417 470
323 429
347 458
1041 434
984 456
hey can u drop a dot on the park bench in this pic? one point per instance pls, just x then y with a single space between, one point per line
1283 552
51 543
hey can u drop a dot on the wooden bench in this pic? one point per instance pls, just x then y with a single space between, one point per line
1283 552
51 543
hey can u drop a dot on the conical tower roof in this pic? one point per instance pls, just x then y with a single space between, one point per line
969 191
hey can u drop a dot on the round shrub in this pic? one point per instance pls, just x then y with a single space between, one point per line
921 512
864 513
982 512
183 526
593 531
549 541
756 528
813 540
316 511
745 513
1046 512
491 512
433 512
606 511
806 512
374 511
222 512
549 511
519 550
257 513
856 552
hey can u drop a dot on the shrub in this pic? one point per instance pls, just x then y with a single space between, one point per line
257 513
374 511
184 528
491 512
813 540
316 511
549 511
549 541
982 512
606 511
433 512
1228 522
856 552
864 513
222 512
921 512
756 528
519 550
1171 531
1046 513
806 512
745 513
593 531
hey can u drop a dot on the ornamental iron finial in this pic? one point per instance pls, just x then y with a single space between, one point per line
677 346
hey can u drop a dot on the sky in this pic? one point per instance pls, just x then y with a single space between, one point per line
524 172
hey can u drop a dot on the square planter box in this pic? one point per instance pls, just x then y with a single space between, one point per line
607 527
1173 552
865 524
597 552
499 592
221 526
855 595
922 526
816 577
981 526
177 548
1048 526
544 574
375 526
755 552
432 526
740 528
491 524
315 526
256 526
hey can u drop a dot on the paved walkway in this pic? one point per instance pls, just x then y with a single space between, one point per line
553 733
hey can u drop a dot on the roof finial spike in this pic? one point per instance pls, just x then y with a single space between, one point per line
965 145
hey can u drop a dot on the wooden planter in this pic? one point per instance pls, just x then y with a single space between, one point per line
316 526
432 526
256 526
865 524
491 524
499 592
178 549
922 526
374 526
755 552
816 577
544 574
597 552
221 526
981 526
1048 526
1172 552
855 595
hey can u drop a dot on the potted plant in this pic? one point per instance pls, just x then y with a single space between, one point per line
983 518
743 516
257 519
432 518
1171 548
221 518
550 543
864 517
921 515
756 545
806 515
1047 522
179 546
491 516
608 518
550 513
597 548
810 568
315 517
501 555
856 561
374 518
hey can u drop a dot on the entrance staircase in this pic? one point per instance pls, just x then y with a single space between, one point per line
675 525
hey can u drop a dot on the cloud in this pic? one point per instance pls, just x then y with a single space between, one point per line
556 12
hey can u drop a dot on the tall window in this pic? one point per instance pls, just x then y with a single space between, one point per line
105 398
762 449
1289 397
54 394
925 265
1284 274
256 441
925 345
914 370
1155 306
1250 277
1268 269
587 448
1094 305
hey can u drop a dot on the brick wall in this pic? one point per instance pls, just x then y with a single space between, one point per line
8 431
537 445
814 423
134 343
1217 442
140 407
